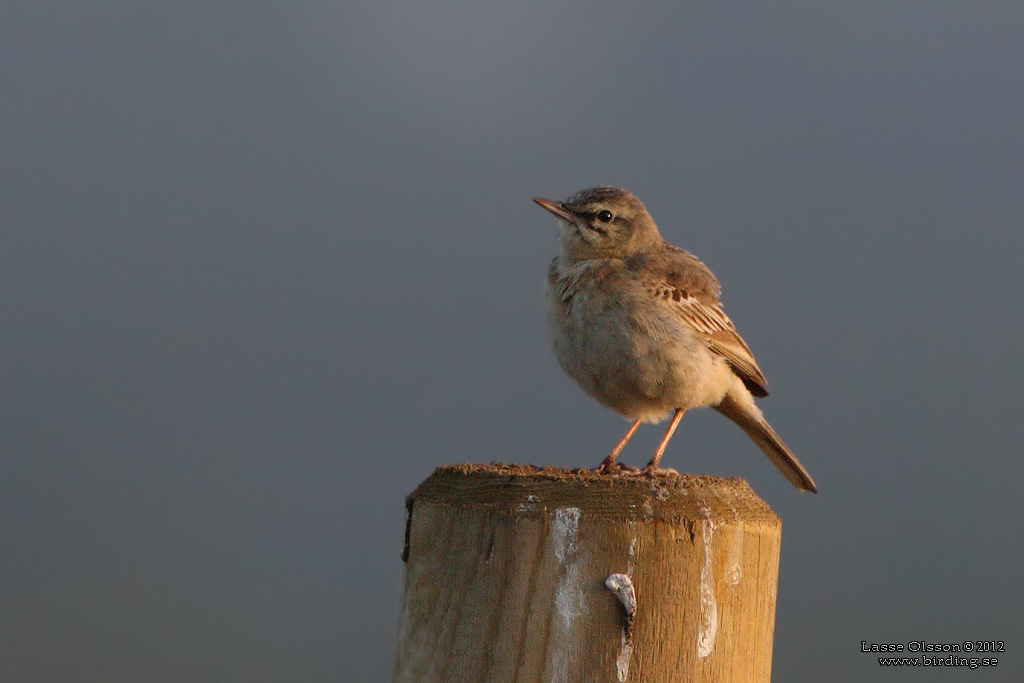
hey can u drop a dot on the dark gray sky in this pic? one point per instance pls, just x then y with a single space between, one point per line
263 266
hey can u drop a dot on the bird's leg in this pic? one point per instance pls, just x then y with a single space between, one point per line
610 460
652 466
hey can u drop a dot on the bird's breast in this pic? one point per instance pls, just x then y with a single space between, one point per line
627 350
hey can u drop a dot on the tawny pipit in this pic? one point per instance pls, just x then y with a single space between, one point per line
638 324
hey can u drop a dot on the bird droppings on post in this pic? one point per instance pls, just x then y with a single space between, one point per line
708 604
622 586
567 523
734 556
569 595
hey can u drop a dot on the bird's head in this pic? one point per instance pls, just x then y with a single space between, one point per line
602 222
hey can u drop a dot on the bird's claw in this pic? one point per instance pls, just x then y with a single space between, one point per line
654 470
611 467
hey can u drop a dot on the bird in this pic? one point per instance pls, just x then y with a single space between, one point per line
638 323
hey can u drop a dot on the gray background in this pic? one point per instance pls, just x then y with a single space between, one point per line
263 266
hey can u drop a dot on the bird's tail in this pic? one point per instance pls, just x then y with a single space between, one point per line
750 420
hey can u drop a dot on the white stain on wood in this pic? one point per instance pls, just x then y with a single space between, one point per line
622 661
563 533
708 605
622 586
568 592
734 555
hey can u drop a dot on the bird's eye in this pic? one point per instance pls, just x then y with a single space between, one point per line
605 216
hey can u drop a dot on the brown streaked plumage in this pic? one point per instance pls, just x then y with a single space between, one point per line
638 324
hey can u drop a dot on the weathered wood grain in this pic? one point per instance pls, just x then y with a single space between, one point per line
507 578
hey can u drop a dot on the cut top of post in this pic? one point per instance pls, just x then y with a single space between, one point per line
663 495
526 573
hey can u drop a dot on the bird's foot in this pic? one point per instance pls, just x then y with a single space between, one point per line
652 470
610 467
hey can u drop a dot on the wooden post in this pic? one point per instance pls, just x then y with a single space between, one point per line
521 574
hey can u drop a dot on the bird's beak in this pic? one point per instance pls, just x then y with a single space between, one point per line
558 209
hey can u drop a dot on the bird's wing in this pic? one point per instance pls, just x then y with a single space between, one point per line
692 291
